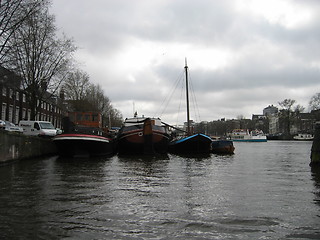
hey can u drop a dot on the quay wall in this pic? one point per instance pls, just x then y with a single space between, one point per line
315 150
16 146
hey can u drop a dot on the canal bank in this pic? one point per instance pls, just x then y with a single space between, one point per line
315 150
16 146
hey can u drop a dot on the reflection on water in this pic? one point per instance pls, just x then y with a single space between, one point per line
263 191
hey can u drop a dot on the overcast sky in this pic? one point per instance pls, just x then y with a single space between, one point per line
243 55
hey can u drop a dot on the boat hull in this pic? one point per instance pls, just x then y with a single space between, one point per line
136 142
198 143
303 137
222 147
244 135
83 145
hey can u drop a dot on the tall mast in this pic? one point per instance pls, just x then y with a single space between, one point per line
187 97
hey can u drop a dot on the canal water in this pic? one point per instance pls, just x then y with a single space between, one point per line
263 191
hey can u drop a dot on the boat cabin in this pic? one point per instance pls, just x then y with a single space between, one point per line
89 119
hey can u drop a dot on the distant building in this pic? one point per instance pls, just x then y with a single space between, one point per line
270 110
258 117
260 122
274 125
306 122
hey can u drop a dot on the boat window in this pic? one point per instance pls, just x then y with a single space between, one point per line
87 117
94 117
79 116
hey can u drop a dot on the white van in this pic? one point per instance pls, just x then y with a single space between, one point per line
38 128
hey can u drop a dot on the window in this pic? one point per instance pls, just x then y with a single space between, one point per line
3 112
79 116
24 97
24 113
46 125
16 120
11 93
4 91
94 117
10 113
17 96
29 114
36 126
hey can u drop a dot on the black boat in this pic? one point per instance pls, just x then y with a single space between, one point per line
196 143
190 143
222 147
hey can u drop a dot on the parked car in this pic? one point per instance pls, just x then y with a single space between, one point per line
9 126
2 124
38 128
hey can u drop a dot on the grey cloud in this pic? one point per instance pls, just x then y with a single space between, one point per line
264 55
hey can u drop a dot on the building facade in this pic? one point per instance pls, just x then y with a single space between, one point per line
14 102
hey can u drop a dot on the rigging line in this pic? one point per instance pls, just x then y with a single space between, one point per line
195 104
166 101
181 97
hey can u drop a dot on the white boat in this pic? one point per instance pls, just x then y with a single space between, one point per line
244 135
303 137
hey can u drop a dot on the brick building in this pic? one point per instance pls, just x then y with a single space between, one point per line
14 102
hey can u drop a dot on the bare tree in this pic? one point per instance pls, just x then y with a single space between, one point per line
12 14
96 97
287 104
314 102
116 117
76 85
298 109
286 114
86 96
38 56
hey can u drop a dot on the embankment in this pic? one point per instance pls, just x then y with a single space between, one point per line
15 146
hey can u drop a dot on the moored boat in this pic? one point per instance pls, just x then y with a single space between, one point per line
190 143
196 143
244 135
222 147
303 137
142 135
83 136
83 145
